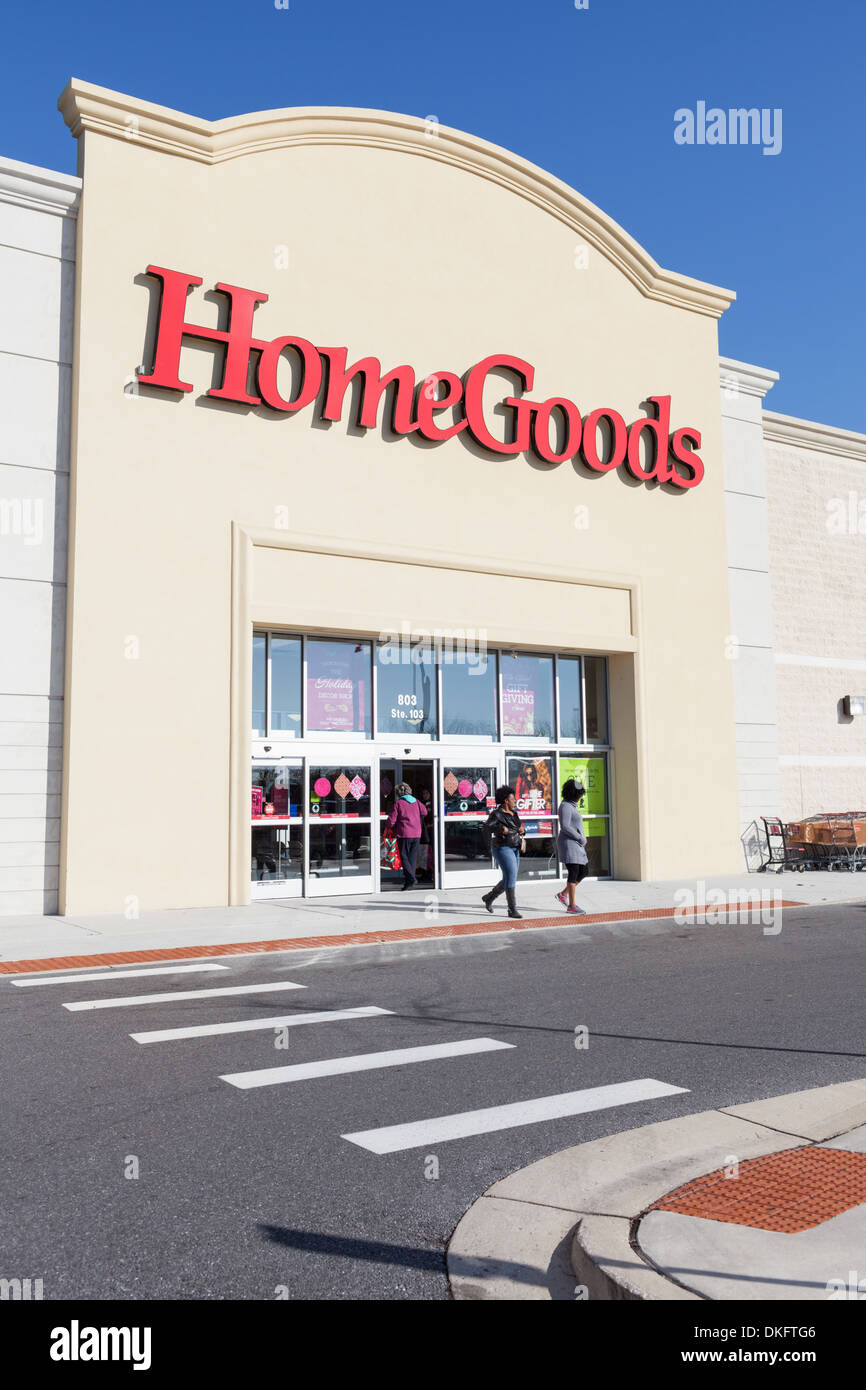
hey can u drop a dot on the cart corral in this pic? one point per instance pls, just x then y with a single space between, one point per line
831 841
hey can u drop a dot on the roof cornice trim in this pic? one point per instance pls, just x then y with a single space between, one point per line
749 380
43 190
808 434
87 108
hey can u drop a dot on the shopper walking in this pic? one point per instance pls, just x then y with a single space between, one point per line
405 819
571 844
506 833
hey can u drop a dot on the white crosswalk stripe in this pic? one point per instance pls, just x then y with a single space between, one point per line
384 1139
206 1030
130 999
366 1061
110 974
497 1117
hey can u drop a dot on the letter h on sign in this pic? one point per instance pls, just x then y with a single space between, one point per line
173 328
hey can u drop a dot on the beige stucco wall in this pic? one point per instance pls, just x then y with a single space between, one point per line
817 536
407 254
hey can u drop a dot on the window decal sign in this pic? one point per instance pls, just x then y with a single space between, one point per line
518 710
330 703
589 773
532 780
553 430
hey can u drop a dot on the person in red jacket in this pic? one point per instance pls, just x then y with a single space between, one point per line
405 819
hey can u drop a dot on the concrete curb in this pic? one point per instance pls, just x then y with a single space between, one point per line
564 1227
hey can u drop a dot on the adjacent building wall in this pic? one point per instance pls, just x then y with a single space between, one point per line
816 486
38 209
750 642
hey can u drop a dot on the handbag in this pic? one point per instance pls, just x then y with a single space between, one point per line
390 853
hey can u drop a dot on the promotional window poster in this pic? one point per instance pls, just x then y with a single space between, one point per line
532 780
337 683
588 773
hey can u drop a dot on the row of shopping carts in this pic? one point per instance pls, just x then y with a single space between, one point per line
836 841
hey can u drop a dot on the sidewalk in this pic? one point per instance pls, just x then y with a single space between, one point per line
759 1201
286 923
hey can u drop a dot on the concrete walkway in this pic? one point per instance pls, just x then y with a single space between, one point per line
759 1201
32 937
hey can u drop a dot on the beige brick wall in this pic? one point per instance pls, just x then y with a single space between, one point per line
818 583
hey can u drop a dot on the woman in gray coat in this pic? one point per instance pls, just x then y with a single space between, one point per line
571 842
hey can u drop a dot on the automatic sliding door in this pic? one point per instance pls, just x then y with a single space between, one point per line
277 828
466 792
339 828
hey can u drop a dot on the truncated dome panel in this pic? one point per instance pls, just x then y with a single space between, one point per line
788 1191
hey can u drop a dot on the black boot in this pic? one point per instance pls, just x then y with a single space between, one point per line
488 898
511 899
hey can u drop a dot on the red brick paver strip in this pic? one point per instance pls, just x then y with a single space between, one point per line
789 1191
372 938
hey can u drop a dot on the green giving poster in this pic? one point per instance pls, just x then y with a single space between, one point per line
587 772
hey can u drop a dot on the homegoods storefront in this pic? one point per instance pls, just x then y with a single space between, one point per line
339 722
269 530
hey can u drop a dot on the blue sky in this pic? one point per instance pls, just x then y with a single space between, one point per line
589 94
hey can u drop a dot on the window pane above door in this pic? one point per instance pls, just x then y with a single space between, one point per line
527 696
338 686
595 668
285 654
469 696
260 642
405 691
570 723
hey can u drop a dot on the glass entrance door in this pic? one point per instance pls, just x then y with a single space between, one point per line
421 774
277 828
467 797
339 799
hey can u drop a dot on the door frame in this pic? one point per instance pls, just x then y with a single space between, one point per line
434 761
281 887
473 755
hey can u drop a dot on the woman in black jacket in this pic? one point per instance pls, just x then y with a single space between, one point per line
506 832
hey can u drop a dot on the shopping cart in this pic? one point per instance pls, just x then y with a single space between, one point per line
830 841
810 842
836 840
784 850
849 841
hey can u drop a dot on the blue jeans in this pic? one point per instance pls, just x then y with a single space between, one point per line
508 860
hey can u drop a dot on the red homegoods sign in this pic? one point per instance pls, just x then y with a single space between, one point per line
602 439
